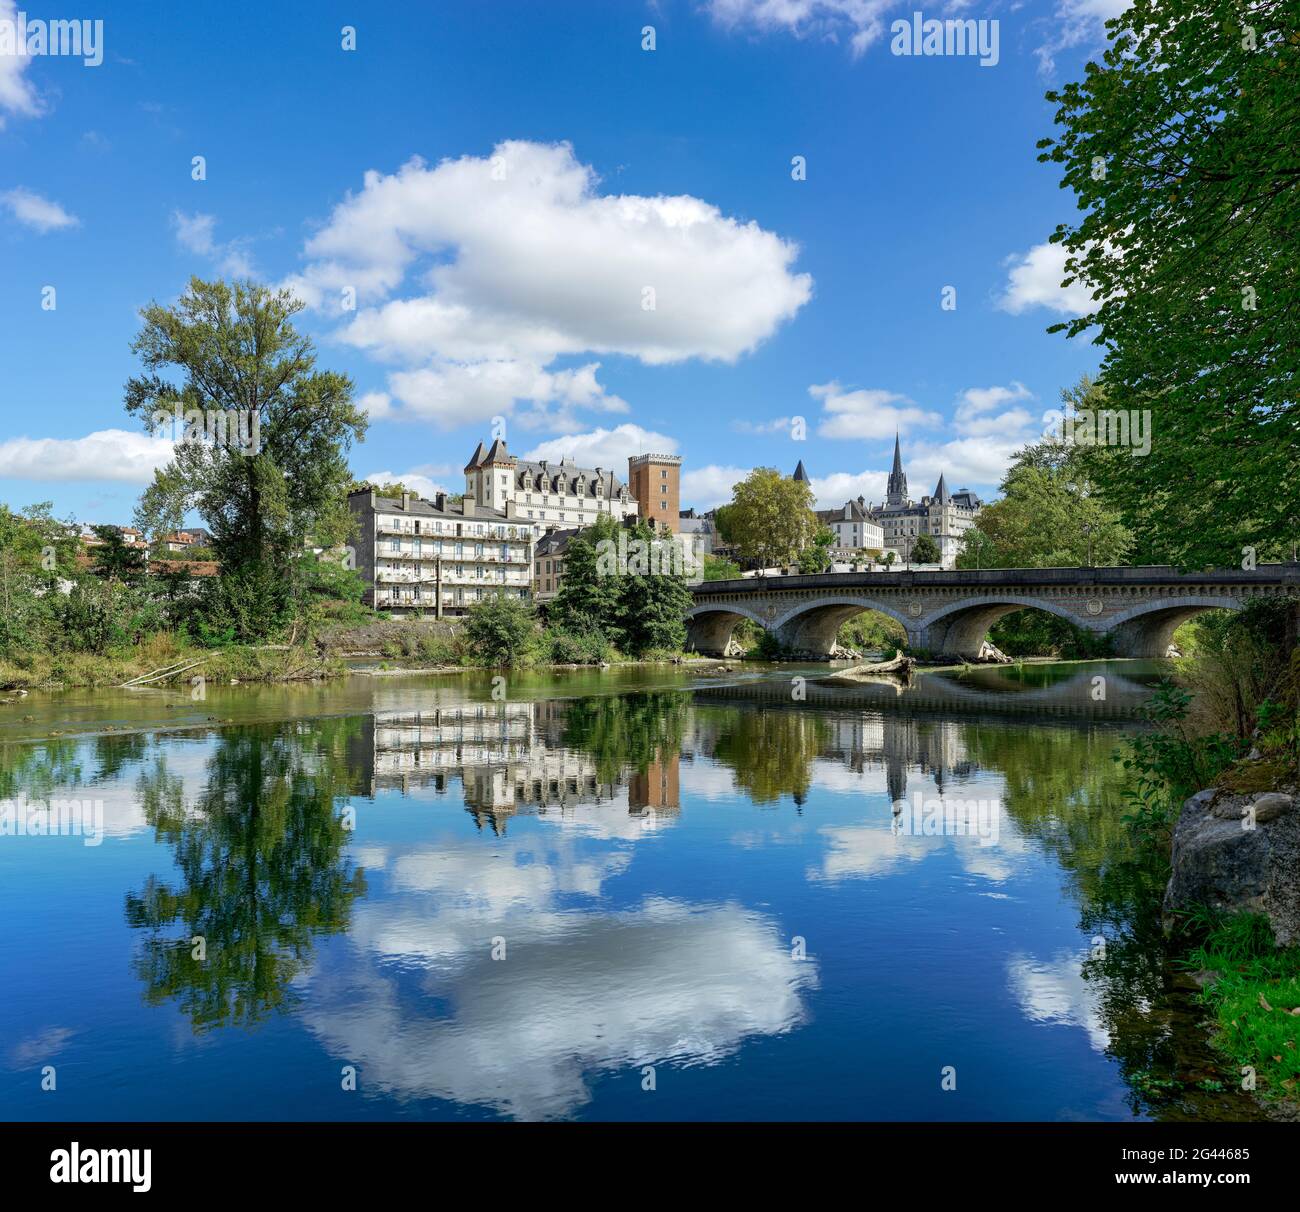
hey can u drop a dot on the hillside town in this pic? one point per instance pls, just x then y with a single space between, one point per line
506 534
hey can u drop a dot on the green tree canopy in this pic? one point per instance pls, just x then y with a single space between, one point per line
1182 148
237 353
770 518
501 630
925 551
114 559
817 558
1050 515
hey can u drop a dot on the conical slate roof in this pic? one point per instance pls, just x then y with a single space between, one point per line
476 459
800 474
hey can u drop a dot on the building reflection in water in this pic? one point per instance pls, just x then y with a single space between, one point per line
509 759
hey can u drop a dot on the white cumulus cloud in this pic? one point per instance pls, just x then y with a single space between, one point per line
607 448
108 454
1034 279
476 274
867 413
705 487
859 21
427 480
195 234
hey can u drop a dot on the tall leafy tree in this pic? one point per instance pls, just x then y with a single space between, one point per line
589 597
770 518
233 350
1182 148
1050 515
654 599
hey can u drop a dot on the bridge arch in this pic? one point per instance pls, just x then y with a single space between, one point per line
811 626
709 626
961 627
1147 629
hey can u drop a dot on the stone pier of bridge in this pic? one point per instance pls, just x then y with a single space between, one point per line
949 613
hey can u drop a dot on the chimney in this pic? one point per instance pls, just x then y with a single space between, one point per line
406 501
440 500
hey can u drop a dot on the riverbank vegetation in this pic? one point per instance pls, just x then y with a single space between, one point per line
1179 147
1253 988
1229 718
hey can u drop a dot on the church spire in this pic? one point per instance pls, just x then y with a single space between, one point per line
896 489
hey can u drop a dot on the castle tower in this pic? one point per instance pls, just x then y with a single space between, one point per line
655 482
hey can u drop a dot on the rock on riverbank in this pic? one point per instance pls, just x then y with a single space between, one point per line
1239 853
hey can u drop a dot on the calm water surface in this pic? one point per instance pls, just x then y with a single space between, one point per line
534 907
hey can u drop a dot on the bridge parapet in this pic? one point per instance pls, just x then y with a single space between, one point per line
949 613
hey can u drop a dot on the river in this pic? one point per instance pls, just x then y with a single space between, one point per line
637 893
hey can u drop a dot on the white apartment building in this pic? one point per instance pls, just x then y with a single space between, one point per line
439 556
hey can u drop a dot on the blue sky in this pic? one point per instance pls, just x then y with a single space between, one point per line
500 183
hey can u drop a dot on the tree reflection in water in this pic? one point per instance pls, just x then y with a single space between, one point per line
262 871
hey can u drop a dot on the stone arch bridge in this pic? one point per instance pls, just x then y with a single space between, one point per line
949 613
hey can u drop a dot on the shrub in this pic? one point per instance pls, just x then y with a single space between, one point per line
501 631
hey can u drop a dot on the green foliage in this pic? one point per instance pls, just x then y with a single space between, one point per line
36 551
114 559
637 605
1050 514
1037 633
817 558
1182 148
98 615
723 518
925 551
871 631
1170 763
238 354
653 604
588 600
325 590
770 518
1254 997
501 631
1240 667
718 569
570 648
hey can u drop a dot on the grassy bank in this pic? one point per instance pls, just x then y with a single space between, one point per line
1253 989
244 663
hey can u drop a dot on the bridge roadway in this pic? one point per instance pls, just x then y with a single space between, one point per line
949 613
